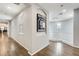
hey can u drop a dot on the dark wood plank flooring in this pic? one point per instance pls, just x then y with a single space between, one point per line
9 47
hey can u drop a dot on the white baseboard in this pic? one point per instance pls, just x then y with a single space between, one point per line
61 40
38 50
68 43
76 46
27 49
18 42
54 39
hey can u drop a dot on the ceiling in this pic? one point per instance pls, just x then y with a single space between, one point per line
57 11
60 11
10 10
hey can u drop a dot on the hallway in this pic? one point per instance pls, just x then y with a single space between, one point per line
8 47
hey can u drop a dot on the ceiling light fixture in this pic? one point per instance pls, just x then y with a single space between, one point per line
64 10
8 7
71 15
61 13
61 5
17 3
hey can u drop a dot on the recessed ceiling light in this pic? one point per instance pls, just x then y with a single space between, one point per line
61 13
71 15
8 7
64 10
61 5
17 3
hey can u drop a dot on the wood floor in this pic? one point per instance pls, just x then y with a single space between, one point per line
9 47
58 49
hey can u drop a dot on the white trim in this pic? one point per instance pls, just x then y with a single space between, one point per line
28 49
68 43
54 39
76 46
18 42
38 50
61 40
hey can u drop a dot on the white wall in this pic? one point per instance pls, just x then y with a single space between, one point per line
39 39
54 32
65 33
25 37
76 27
32 40
9 29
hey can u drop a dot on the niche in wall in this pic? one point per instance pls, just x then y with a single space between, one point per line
20 28
41 23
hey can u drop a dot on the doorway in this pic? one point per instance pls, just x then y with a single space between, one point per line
3 28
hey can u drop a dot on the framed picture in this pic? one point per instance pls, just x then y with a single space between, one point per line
41 23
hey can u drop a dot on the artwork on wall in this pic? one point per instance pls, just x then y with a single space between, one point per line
41 23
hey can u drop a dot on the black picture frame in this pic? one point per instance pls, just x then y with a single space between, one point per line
41 23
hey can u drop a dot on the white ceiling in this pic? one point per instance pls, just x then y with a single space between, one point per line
55 9
10 10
